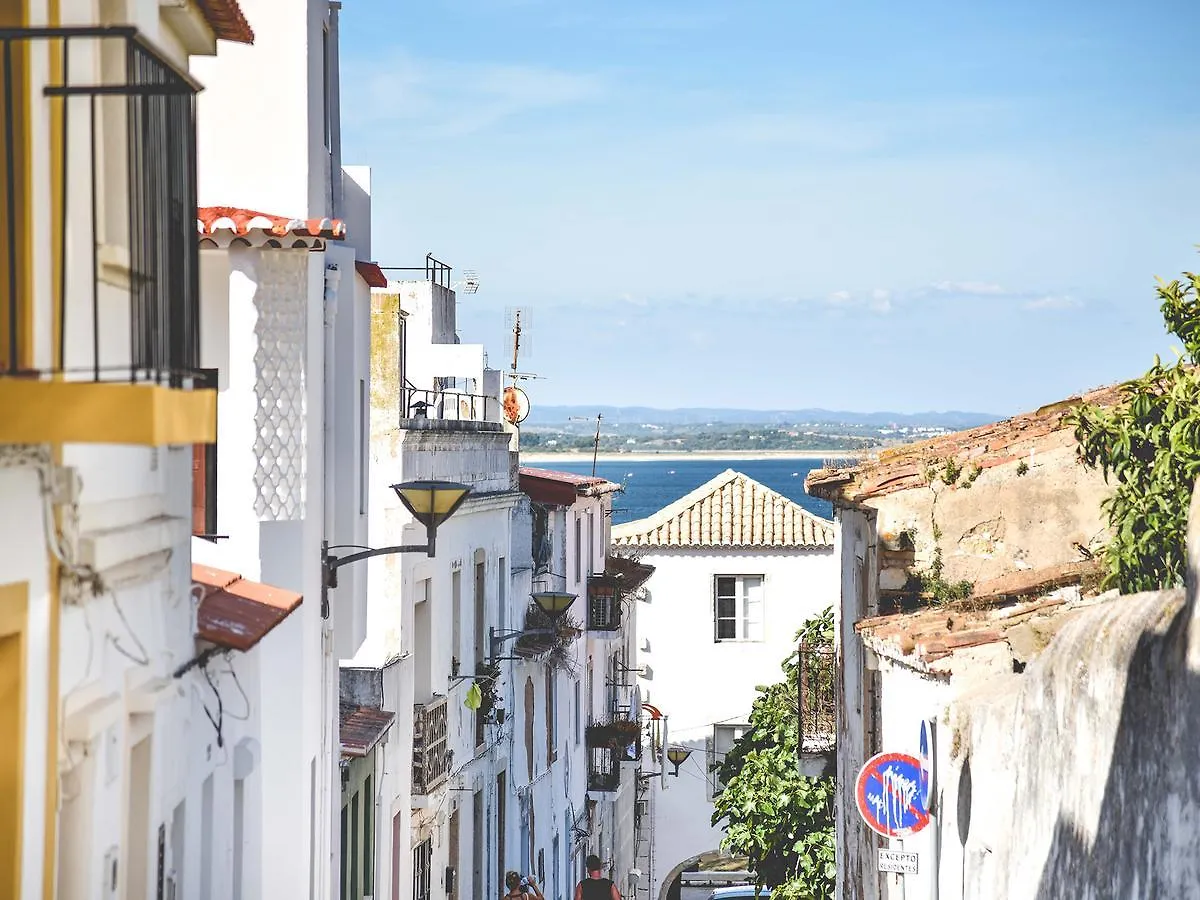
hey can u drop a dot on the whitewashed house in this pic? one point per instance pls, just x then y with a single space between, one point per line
99 409
577 771
440 766
1007 509
738 568
284 325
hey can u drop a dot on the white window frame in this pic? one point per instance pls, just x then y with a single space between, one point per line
749 610
724 736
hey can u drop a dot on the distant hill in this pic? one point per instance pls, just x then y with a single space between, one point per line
636 415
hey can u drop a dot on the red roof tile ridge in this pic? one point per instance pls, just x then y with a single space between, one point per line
226 20
239 220
893 466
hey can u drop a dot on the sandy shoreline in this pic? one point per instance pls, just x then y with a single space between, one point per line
751 455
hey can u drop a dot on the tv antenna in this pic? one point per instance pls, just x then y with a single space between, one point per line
516 402
519 320
596 440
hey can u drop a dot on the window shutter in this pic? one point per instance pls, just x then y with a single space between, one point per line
199 488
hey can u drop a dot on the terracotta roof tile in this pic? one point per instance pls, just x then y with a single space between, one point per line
226 20
371 273
902 468
236 613
239 221
360 728
731 510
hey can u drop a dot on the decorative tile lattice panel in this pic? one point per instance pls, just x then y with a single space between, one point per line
281 300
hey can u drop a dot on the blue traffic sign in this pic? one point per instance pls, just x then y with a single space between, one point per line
889 795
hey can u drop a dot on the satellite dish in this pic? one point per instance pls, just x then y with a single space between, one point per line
516 404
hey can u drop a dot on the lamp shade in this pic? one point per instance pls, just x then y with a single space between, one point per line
553 603
678 756
431 502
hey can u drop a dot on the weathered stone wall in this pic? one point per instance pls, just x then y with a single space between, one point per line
1081 778
1024 514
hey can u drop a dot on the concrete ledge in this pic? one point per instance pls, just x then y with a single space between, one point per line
449 425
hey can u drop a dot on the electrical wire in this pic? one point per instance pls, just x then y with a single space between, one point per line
219 721
144 660
238 684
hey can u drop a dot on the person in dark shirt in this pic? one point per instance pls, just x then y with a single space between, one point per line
596 886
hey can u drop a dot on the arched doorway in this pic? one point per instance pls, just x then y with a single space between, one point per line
671 883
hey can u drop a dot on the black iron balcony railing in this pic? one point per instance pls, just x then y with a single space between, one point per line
434 271
817 697
449 405
604 772
123 140
620 735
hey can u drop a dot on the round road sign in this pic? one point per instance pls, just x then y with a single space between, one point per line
888 792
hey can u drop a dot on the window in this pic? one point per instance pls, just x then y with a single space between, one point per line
204 474
591 543
368 839
578 549
423 870
578 724
326 87
551 718
502 597
364 446
738 608
457 612
721 742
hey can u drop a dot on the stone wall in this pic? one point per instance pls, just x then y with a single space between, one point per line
1081 778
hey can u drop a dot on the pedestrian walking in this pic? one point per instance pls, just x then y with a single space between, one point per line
596 886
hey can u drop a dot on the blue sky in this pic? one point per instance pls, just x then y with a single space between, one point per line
783 203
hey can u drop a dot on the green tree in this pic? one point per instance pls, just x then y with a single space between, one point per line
1150 444
781 820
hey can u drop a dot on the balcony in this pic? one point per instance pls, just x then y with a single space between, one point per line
99 329
450 407
817 708
604 771
431 751
604 605
620 739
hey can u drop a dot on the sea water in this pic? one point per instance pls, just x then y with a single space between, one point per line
652 484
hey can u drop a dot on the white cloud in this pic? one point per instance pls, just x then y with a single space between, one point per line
437 99
1053 301
969 288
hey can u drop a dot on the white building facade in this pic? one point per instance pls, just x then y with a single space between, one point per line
284 327
738 569
578 797
99 407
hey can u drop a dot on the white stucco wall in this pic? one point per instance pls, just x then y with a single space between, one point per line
698 682
281 130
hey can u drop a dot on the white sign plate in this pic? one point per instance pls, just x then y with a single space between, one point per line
897 861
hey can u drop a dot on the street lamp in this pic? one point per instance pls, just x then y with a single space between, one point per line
678 756
554 604
430 502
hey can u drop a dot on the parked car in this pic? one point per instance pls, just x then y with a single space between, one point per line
740 891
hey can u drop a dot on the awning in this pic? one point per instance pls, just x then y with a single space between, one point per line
361 728
371 273
627 574
236 613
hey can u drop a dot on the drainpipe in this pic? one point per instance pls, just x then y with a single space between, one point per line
329 739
